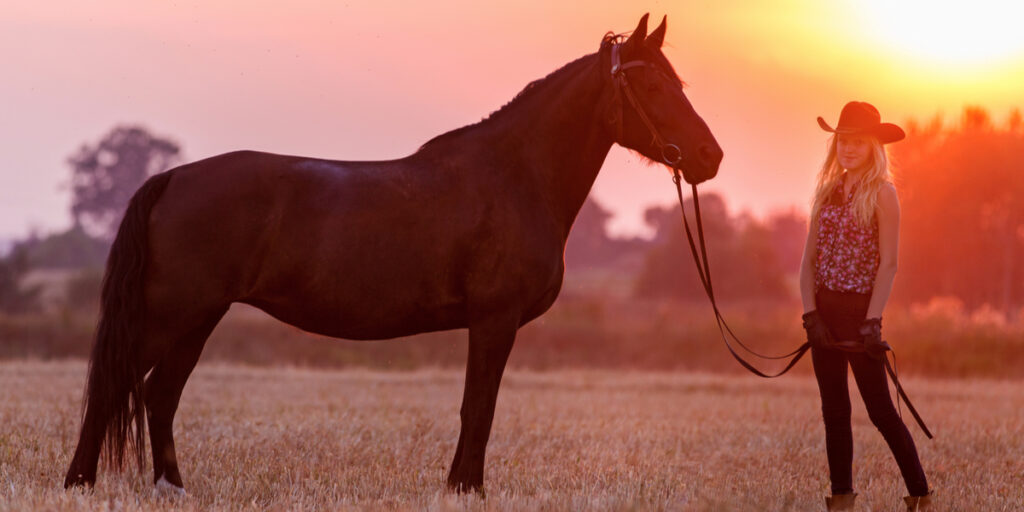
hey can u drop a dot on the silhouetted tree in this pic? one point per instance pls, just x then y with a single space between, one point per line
14 298
962 193
741 255
589 236
104 176
589 244
662 220
71 249
787 236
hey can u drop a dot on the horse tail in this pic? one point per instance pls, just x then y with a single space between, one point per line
114 394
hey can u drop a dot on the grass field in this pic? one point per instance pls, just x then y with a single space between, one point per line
292 439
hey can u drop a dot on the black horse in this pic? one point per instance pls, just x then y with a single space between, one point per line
468 232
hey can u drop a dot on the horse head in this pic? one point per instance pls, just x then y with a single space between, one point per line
647 109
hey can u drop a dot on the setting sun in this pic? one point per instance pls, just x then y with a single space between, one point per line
975 33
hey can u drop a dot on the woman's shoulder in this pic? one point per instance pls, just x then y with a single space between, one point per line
888 189
888 197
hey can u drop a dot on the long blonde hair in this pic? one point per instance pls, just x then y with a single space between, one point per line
865 199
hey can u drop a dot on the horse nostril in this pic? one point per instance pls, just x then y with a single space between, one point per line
710 155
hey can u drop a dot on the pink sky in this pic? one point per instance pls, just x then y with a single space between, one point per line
375 79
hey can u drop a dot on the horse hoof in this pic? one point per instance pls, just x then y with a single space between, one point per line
464 488
165 488
77 481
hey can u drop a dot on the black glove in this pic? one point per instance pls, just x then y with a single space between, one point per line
871 334
817 333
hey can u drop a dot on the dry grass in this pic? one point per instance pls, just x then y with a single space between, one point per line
290 439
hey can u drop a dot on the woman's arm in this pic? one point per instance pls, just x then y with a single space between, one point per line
888 213
807 267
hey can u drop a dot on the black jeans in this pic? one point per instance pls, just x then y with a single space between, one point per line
843 313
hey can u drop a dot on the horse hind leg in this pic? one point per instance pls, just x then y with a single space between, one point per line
82 470
85 461
162 393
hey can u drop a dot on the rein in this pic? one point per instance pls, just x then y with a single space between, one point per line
672 156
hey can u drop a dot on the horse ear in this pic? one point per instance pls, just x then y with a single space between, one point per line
657 38
638 35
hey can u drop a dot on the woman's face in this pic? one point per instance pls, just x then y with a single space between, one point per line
853 151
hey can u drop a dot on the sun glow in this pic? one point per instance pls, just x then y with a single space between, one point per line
944 32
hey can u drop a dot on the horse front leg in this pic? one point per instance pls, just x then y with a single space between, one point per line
490 342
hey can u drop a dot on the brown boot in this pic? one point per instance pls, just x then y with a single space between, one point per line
916 503
840 501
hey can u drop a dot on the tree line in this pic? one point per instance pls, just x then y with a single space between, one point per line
962 230
961 188
962 193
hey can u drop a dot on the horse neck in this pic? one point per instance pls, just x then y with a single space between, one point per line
564 140
555 137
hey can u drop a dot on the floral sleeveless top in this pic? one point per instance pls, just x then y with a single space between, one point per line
847 252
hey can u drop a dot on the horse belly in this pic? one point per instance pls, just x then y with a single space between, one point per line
361 321
349 287
339 308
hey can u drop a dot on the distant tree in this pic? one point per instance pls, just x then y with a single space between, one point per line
71 249
14 298
787 235
104 176
589 243
83 290
962 194
741 255
589 236
662 221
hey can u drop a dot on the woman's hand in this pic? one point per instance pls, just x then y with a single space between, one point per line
871 334
817 333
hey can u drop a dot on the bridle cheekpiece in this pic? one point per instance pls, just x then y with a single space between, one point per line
671 155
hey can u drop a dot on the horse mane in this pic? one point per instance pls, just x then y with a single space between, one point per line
524 96
533 88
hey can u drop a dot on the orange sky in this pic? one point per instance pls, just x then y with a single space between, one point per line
375 79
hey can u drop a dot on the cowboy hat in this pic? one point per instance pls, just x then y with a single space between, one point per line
859 117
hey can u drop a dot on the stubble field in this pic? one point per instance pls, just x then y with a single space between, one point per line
293 439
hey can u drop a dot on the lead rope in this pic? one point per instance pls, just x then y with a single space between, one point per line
621 87
704 273
900 393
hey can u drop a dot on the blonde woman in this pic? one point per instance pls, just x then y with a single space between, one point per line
846 276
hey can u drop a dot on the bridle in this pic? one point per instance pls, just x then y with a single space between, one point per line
673 156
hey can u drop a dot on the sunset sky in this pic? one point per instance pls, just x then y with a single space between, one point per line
375 79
